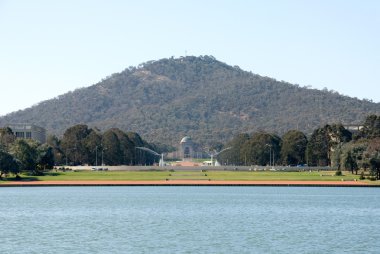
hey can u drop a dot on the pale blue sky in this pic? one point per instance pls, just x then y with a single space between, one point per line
48 48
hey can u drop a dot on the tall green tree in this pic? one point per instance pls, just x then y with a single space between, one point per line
293 147
113 154
120 148
375 167
373 153
351 156
371 127
6 137
350 163
323 143
127 147
55 143
140 157
74 144
261 149
25 151
45 157
8 164
232 156
93 146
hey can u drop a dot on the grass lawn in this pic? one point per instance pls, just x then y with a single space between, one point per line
191 175
278 176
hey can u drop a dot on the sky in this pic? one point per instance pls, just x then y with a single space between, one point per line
48 48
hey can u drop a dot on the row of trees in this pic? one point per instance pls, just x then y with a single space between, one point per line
79 145
330 145
363 151
23 155
293 148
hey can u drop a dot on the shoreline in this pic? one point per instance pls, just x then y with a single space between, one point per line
188 183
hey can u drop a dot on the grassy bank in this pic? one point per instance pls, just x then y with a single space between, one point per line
189 175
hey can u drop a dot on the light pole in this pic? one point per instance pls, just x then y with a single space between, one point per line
96 156
270 154
103 155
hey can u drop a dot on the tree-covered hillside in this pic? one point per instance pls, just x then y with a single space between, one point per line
197 96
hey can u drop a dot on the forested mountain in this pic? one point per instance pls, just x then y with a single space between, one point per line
200 97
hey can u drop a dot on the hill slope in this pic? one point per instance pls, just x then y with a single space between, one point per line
197 96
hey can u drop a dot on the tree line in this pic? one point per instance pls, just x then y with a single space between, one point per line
23 155
330 145
80 145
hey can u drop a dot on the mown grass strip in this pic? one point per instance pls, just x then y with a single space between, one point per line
213 175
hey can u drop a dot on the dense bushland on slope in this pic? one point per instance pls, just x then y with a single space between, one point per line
201 97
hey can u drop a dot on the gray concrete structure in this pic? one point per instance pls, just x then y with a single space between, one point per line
186 148
29 131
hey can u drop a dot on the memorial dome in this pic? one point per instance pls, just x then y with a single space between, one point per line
185 139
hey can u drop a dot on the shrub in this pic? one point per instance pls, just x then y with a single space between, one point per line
338 173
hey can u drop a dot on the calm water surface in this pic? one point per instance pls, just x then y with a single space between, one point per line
189 220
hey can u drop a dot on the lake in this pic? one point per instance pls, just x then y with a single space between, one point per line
189 220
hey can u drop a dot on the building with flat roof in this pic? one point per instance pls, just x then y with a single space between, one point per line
29 131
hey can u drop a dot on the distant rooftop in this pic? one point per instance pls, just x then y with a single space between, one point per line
28 131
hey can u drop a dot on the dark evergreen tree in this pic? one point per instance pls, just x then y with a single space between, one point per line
323 142
113 154
375 167
74 144
58 154
371 127
261 149
7 137
45 158
293 147
93 145
25 152
8 164
232 156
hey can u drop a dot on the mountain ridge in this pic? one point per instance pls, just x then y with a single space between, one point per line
202 97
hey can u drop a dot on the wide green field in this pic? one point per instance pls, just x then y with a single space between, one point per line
190 175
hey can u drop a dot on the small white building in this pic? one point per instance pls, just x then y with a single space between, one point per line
29 131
